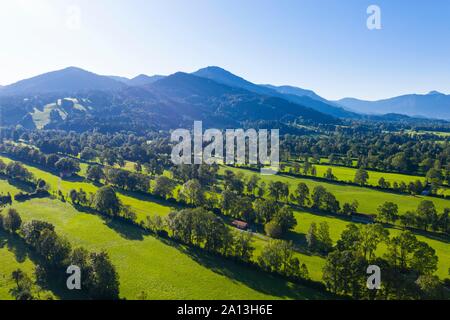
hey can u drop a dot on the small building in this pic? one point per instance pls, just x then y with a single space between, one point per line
240 224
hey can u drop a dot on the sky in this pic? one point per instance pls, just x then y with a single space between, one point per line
323 45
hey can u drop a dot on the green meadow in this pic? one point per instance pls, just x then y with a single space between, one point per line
143 205
162 258
369 199
162 269
348 174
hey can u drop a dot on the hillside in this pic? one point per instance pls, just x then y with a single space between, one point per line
67 80
431 105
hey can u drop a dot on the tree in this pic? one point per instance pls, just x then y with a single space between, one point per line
53 248
95 173
2 166
344 273
278 190
370 236
105 280
16 170
164 186
301 195
424 260
350 208
400 250
277 256
193 192
24 285
318 196
285 219
382 183
252 183
312 237
361 177
243 246
265 209
329 174
228 200
427 213
12 221
67 166
431 287
106 201
273 229
73 195
323 237
388 212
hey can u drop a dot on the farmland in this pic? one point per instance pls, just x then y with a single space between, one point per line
161 269
115 238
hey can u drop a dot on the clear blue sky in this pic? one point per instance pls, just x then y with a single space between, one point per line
323 45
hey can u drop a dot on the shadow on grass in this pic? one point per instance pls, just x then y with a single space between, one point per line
123 228
150 198
253 278
55 280
22 186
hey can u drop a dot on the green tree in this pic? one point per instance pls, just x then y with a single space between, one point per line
106 201
12 220
361 177
388 212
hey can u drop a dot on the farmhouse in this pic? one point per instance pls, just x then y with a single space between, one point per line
240 224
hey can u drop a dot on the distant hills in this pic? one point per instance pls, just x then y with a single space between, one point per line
296 95
212 94
139 80
432 105
67 80
114 103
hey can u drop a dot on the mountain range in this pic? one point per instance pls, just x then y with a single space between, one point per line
211 94
431 105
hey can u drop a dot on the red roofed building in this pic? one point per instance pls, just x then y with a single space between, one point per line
240 224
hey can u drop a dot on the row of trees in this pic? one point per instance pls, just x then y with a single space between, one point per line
64 165
375 147
99 277
15 170
424 217
204 229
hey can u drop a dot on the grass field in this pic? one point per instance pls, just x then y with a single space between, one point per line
368 199
71 220
304 220
348 174
143 205
161 269
12 257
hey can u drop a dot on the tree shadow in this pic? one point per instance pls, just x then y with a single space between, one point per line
252 277
123 227
54 280
23 186
150 198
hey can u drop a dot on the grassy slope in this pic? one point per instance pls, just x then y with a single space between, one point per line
163 270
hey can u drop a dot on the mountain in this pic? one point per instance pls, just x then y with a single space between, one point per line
120 79
66 80
208 99
298 96
143 79
175 101
297 92
139 80
431 105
